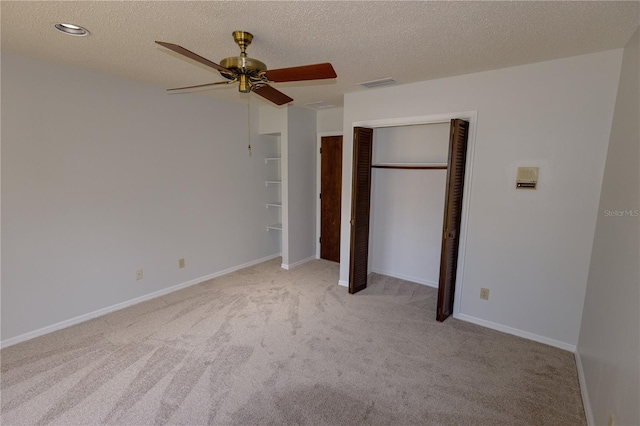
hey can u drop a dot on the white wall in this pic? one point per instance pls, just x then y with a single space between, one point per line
272 119
102 176
530 248
609 345
330 119
407 206
301 184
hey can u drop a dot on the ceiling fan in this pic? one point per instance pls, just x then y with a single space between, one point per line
252 74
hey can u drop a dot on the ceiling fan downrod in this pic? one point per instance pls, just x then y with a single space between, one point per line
243 39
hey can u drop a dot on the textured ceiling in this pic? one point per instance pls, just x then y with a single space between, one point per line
409 41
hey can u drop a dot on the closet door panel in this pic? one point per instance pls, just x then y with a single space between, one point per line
360 208
452 217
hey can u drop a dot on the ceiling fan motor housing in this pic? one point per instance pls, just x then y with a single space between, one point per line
245 69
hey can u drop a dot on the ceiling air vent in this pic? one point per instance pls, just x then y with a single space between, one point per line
319 105
378 83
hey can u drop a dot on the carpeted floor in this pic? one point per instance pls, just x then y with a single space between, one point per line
265 346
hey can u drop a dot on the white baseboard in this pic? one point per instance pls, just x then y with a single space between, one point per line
343 283
586 402
405 277
298 263
100 312
517 332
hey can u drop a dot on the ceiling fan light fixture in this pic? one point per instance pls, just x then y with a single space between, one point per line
245 85
71 29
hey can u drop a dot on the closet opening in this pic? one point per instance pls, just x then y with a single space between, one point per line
406 211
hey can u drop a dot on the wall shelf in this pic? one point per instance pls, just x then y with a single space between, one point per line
274 204
275 227
266 160
414 166
272 182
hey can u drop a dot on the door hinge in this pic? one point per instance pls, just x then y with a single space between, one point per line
321 196
320 240
320 150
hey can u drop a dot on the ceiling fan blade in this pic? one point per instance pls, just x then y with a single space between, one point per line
271 94
202 85
189 54
305 72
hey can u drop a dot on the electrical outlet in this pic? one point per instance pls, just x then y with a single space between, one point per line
138 274
484 293
181 263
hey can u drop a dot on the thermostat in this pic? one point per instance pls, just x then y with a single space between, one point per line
527 178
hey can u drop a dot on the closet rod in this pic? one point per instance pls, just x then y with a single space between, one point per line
387 166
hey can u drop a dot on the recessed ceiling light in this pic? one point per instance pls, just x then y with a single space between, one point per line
70 29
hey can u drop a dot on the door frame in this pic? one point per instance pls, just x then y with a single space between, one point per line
472 118
320 135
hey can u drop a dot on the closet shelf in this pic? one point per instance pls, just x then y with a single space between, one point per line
274 204
275 226
416 166
266 160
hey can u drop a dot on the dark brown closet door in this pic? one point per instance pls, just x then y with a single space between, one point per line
452 217
360 207
331 197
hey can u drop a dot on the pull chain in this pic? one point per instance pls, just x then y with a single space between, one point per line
249 122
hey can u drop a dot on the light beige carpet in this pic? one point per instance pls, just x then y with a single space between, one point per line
264 346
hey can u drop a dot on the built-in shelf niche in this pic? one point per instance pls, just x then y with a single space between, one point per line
273 182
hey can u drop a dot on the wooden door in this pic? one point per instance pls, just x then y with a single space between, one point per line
360 208
330 197
452 217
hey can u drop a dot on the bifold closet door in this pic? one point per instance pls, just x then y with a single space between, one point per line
452 217
360 208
